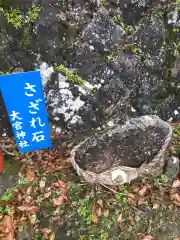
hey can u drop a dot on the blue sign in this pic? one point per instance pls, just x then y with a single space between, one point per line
24 99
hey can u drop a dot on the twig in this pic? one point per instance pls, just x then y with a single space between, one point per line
6 151
112 190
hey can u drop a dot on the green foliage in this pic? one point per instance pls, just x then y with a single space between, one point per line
7 196
14 16
33 14
17 18
178 5
163 180
176 131
23 181
21 21
127 28
102 3
85 209
4 73
6 210
71 74
111 57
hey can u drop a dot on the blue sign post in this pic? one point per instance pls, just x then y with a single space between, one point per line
24 99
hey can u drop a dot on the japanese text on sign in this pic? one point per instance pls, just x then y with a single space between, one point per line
27 113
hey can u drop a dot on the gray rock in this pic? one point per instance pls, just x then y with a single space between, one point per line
102 32
172 167
92 37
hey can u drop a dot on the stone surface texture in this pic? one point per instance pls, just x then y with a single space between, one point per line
125 51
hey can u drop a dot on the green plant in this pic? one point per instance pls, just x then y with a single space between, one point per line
85 209
71 74
122 195
6 210
163 180
13 16
7 196
4 73
33 14
127 28
17 18
177 5
102 3
23 181
21 21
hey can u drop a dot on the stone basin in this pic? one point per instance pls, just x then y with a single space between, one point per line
123 152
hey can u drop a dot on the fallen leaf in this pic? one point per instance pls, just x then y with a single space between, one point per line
148 237
31 209
60 184
100 203
176 183
136 189
142 192
119 218
106 213
130 195
59 201
29 190
48 194
32 219
42 184
99 211
176 203
46 230
9 237
178 197
30 174
94 218
132 221
8 223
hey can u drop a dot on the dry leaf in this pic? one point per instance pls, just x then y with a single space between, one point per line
130 195
60 184
8 223
131 219
46 230
94 218
147 238
136 189
30 174
176 203
59 201
177 197
10 236
42 184
142 192
29 190
48 194
119 218
32 219
31 209
176 184
106 213
99 211
100 203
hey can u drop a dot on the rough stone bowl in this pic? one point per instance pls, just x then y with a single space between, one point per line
123 153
